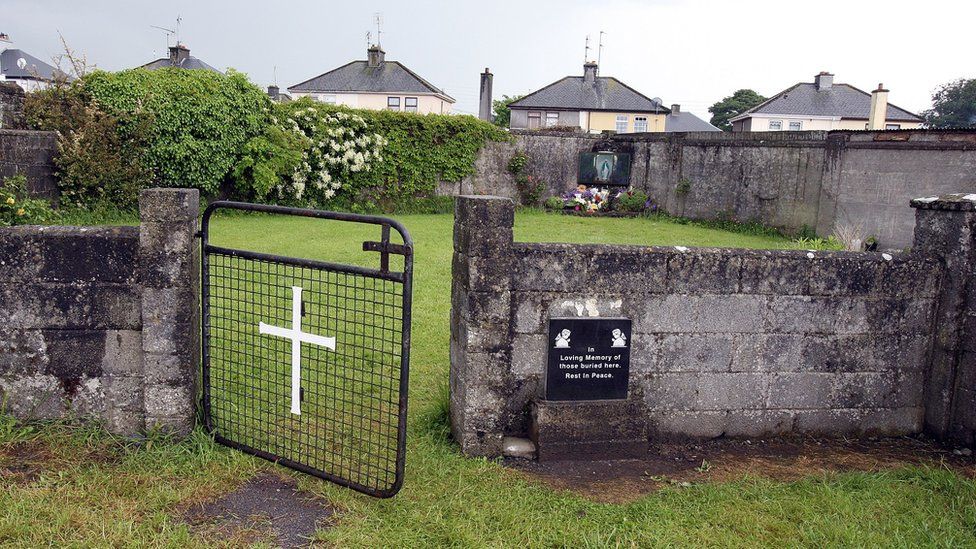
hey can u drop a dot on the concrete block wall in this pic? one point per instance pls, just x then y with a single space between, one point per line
794 180
32 154
725 341
101 321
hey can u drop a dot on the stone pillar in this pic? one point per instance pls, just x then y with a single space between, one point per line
945 227
169 277
480 312
484 97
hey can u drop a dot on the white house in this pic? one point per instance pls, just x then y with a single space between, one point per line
22 68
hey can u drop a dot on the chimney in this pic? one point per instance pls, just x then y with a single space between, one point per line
589 72
484 109
879 108
4 40
675 108
823 81
273 92
375 56
178 54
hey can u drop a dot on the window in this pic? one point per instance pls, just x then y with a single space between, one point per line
393 103
535 119
640 123
892 126
796 126
328 99
552 119
410 104
621 126
775 125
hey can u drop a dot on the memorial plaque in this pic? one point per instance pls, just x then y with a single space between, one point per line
589 358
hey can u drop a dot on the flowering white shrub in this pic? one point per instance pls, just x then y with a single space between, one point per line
337 144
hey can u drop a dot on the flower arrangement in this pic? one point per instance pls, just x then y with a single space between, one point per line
597 200
587 200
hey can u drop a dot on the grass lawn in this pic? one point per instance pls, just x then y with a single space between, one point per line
64 485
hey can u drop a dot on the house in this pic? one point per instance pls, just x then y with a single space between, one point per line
683 121
179 57
591 102
23 69
825 105
375 84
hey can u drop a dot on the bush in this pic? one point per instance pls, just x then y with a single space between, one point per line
530 189
201 120
15 206
99 153
555 203
517 163
403 155
632 201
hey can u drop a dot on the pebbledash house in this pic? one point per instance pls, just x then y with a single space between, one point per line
375 84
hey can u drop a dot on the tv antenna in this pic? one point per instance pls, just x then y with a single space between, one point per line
586 50
599 51
369 36
378 19
171 32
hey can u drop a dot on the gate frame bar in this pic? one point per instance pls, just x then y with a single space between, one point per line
405 277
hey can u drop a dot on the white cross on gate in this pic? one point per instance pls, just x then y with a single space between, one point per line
297 336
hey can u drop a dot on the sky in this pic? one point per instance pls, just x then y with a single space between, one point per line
689 52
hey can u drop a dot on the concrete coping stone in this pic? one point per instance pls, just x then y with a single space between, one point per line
957 202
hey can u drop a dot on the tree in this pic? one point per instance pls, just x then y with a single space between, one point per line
953 105
732 106
503 115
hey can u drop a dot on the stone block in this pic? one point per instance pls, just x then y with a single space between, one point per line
528 317
846 274
766 352
885 421
38 396
702 314
170 407
588 430
22 352
123 353
664 426
167 321
163 205
801 390
550 268
776 273
484 211
74 356
824 315
627 269
695 353
482 241
529 355
704 272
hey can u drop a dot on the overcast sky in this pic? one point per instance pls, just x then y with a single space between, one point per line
683 51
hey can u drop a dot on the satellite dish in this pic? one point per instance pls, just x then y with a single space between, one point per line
22 63
658 100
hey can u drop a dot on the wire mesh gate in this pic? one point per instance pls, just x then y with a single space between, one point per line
305 362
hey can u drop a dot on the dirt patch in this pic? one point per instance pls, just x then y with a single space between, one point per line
720 460
22 462
268 508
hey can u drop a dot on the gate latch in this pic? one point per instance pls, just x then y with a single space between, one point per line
385 248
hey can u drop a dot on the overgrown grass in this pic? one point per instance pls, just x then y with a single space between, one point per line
136 496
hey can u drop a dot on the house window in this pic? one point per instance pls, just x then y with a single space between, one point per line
393 103
410 104
775 125
621 126
892 126
640 124
796 126
328 99
535 119
552 119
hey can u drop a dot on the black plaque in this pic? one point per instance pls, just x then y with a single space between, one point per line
589 358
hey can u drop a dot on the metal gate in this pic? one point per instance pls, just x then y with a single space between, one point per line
305 362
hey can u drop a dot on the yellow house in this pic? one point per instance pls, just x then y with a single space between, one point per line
375 84
826 105
590 102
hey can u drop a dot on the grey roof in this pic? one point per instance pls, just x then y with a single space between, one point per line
35 68
841 100
189 63
604 94
686 122
358 76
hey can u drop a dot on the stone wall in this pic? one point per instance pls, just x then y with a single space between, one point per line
12 106
101 321
817 180
725 341
30 153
